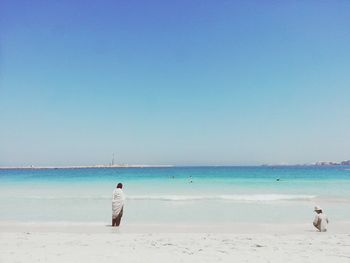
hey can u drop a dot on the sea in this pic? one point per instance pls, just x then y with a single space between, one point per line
176 195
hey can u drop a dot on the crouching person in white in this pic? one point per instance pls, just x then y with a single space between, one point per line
321 220
117 204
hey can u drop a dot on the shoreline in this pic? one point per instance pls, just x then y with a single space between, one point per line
167 228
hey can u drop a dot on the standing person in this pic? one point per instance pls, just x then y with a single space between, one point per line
117 204
321 220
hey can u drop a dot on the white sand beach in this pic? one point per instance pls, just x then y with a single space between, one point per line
22 242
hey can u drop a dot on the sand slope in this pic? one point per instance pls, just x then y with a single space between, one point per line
172 247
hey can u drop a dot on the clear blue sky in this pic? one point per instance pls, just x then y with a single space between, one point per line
174 82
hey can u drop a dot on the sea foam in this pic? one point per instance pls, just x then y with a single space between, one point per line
184 198
245 198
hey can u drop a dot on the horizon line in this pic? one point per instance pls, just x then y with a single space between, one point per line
161 166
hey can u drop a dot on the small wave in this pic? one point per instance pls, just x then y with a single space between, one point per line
184 198
246 198
64 197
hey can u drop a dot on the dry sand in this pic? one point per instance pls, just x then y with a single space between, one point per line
235 243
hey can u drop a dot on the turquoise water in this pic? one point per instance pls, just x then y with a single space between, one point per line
167 195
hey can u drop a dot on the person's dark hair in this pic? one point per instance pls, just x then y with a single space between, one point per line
120 185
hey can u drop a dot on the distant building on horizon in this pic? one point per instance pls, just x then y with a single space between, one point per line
324 163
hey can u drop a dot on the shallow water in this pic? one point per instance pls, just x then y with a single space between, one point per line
167 195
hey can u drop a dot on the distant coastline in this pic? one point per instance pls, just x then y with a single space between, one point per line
327 163
102 166
32 167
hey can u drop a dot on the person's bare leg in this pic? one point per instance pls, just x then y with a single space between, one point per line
119 218
318 226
